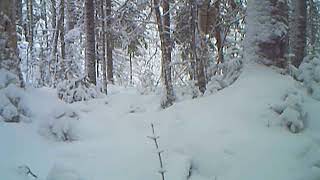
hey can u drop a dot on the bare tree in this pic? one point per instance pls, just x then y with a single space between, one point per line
90 52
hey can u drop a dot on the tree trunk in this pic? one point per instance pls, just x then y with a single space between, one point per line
266 41
19 14
71 20
298 29
199 66
98 37
164 33
30 36
218 33
312 23
130 63
103 33
109 43
44 17
30 23
70 24
8 36
90 51
54 14
44 43
61 29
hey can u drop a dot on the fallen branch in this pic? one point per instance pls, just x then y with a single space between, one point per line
27 171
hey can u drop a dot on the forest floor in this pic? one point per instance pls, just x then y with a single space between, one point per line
230 135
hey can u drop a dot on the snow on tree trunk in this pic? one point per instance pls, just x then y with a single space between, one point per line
267 34
298 27
90 54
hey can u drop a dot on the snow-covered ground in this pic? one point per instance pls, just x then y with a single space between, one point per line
231 135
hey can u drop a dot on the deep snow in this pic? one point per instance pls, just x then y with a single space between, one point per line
231 135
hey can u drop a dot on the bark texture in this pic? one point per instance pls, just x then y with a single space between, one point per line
90 52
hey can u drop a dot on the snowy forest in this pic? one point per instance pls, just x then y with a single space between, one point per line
160 89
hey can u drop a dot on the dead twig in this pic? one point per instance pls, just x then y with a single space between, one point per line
27 171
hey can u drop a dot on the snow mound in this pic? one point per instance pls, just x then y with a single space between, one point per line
62 125
291 112
12 99
75 90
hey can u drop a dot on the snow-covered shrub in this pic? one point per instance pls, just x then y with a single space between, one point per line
189 90
146 82
223 75
292 119
61 125
63 173
12 101
291 112
309 74
76 90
